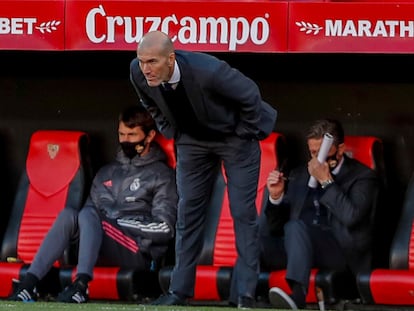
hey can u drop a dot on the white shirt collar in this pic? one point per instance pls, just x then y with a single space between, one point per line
338 167
176 76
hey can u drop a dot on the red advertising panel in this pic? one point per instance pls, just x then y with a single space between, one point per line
32 25
351 27
230 26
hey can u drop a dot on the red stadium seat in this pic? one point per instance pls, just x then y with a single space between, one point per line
366 149
114 283
395 285
56 176
169 148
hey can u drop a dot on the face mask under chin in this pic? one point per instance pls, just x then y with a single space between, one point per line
332 161
131 149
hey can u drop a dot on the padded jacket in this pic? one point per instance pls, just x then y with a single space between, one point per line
142 188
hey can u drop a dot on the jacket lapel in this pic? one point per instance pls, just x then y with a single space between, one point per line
192 89
345 170
156 95
301 180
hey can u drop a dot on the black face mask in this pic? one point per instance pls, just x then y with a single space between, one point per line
332 161
132 149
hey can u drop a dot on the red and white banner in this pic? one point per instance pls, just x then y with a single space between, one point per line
262 26
32 25
350 27
239 26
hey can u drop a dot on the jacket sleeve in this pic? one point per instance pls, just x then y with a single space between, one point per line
161 227
245 93
353 205
101 195
276 217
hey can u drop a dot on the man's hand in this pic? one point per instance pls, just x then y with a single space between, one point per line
276 184
319 170
109 212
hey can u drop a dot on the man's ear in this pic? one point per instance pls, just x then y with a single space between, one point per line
151 135
171 59
341 148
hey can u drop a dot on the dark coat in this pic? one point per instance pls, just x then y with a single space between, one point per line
350 201
223 99
142 188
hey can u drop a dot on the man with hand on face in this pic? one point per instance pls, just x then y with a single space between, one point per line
329 226
128 219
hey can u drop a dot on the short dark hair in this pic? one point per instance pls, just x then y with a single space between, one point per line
136 115
318 129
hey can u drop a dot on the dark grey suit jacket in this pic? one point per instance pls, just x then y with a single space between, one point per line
223 99
351 202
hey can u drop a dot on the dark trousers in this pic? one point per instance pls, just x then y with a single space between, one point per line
196 169
272 253
310 246
112 246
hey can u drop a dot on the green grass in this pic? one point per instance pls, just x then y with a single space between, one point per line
104 306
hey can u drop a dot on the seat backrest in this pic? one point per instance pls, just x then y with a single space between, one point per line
169 148
57 175
220 249
402 248
369 151
366 149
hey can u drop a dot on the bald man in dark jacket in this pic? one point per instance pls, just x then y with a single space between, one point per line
215 113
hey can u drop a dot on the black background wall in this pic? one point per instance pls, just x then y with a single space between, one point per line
370 94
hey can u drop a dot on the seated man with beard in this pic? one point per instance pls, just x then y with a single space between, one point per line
329 226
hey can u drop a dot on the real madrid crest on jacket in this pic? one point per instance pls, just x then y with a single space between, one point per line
124 191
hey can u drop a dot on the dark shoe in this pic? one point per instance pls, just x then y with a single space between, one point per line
23 294
169 299
245 302
279 299
77 292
